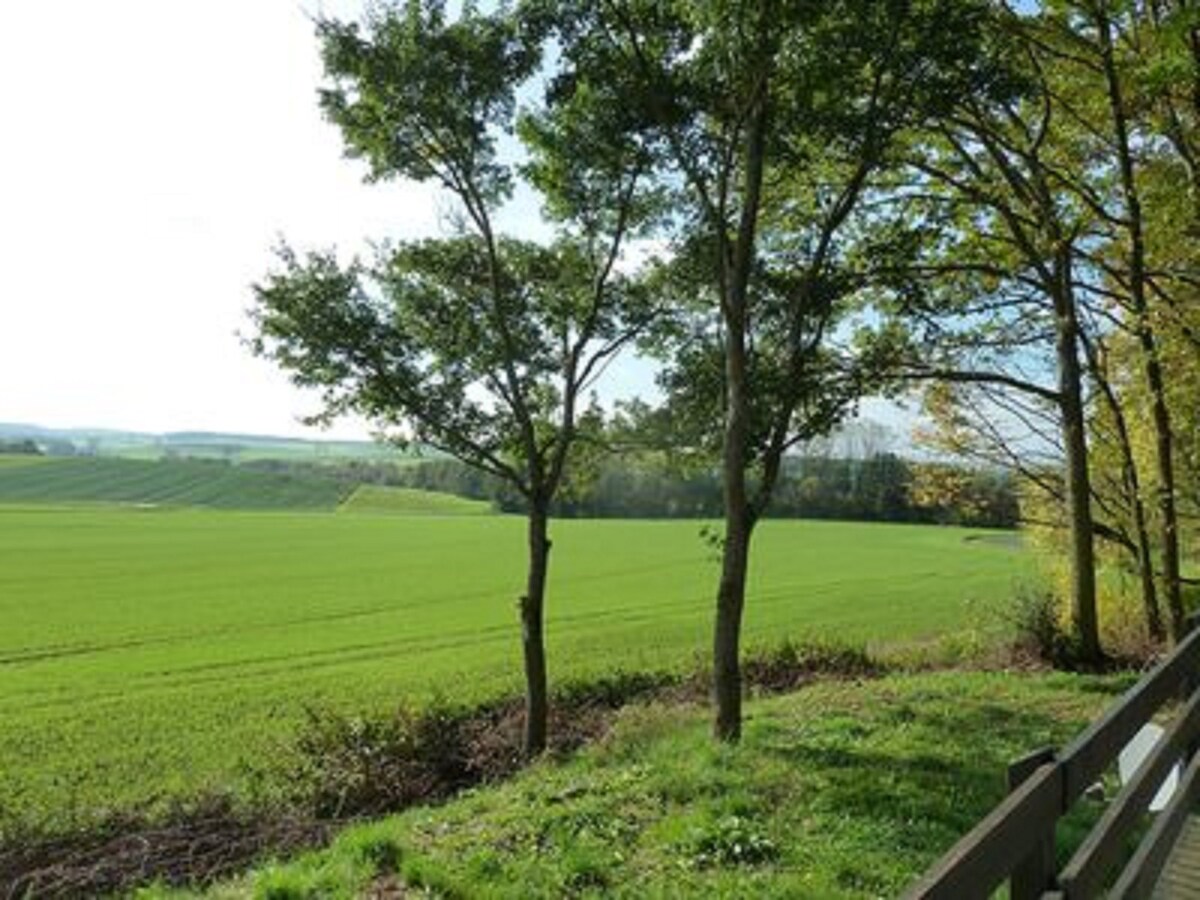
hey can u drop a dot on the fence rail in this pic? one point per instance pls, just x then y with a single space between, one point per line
1015 841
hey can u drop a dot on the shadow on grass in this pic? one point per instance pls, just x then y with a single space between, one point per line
927 776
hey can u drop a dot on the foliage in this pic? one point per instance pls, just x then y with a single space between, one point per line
351 765
27 447
1037 622
881 488
730 841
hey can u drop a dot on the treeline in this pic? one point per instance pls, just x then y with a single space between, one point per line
20 448
881 488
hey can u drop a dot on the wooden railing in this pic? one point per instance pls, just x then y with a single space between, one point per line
1015 841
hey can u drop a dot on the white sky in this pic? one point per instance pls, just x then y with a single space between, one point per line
153 152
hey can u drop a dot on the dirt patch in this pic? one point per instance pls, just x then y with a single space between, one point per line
200 848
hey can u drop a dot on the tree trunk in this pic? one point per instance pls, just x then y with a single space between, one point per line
739 523
1070 387
1145 556
1132 483
739 519
1164 458
532 640
731 598
1164 441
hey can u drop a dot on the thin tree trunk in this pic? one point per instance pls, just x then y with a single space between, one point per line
739 519
1070 381
1145 555
1161 415
731 593
731 597
1132 483
532 638
1168 515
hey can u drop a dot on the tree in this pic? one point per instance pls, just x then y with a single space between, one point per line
480 345
770 121
26 447
997 290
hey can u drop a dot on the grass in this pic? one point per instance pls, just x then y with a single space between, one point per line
150 654
16 460
375 498
842 790
208 483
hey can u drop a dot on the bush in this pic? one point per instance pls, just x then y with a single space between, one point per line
351 765
612 690
788 665
1038 630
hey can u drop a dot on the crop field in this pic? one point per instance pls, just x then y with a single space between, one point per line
150 653
33 479
376 498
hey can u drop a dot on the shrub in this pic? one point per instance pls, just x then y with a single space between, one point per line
354 765
351 765
1037 626
788 665
612 690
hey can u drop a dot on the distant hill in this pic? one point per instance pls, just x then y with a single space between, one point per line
230 446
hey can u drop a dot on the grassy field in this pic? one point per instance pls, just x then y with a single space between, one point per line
842 790
377 498
151 653
209 483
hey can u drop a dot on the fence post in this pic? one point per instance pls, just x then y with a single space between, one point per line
1035 874
1191 681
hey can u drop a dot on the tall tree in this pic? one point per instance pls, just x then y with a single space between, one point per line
1098 52
770 121
478 344
998 287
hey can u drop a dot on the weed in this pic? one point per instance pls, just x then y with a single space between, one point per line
729 841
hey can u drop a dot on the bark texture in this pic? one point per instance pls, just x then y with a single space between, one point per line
1078 484
533 645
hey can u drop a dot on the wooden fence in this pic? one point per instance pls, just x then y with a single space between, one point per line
1015 841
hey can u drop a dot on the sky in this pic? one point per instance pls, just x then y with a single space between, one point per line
154 153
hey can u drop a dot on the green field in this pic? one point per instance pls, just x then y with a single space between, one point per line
194 482
376 498
150 653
